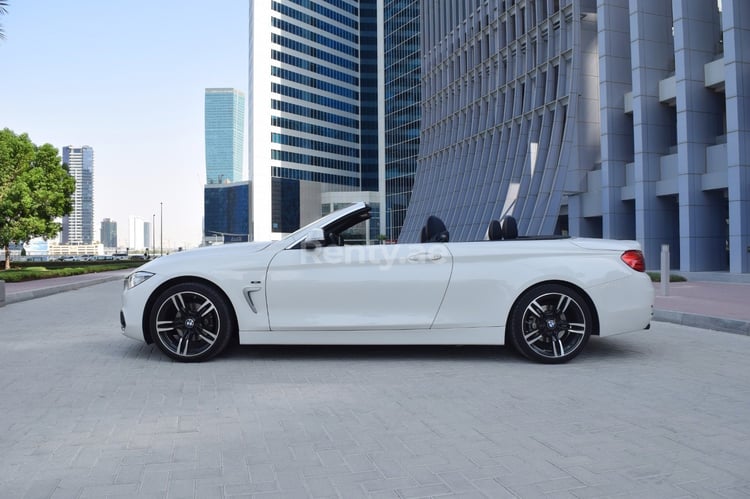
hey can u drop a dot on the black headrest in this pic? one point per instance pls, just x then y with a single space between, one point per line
495 231
510 227
434 231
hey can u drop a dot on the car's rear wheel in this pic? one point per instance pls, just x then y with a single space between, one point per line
191 322
550 323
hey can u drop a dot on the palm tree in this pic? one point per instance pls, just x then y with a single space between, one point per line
3 10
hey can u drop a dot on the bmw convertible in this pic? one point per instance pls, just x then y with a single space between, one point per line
321 285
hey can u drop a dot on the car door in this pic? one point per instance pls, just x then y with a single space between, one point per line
358 287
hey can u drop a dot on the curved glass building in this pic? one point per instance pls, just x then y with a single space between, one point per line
624 119
510 115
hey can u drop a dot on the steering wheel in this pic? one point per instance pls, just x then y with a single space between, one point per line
335 239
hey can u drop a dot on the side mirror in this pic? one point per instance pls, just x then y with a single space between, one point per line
314 239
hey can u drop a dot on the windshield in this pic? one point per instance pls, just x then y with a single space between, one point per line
322 222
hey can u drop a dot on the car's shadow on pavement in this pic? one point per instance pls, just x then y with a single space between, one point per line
371 352
612 348
597 350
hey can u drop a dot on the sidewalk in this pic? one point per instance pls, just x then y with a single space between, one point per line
28 290
709 300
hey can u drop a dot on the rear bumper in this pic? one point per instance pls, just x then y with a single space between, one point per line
624 305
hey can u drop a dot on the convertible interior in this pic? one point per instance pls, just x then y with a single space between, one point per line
345 231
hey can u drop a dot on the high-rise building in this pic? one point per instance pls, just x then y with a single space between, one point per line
225 134
108 233
148 234
314 129
136 233
78 226
619 118
402 108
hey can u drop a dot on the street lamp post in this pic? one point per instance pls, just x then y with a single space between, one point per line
161 227
153 235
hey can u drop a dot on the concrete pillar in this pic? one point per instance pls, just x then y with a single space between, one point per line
615 80
699 122
652 53
736 20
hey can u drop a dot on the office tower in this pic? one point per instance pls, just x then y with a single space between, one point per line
108 233
619 118
225 134
78 226
320 110
502 83
402 75
226 215
148 234
136 241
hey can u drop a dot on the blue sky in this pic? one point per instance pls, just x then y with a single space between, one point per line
128 79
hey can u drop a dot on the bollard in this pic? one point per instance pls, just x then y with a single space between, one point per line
2 293
665 270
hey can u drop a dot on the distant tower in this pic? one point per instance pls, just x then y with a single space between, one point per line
148 232
136 232
225 134
108 233
78 226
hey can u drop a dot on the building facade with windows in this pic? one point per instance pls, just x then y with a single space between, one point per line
625 119
78 226
313 128
402 108
227 213
224 117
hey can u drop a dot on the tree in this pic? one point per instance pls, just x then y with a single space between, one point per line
3 11
35 189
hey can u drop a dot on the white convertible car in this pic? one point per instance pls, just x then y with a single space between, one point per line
545 296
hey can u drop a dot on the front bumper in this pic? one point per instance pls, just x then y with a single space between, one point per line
134 303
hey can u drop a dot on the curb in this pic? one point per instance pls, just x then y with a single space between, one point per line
703 321
38 293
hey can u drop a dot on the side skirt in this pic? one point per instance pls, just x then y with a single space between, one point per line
464 336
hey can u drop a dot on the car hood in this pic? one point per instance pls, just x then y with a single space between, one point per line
204 257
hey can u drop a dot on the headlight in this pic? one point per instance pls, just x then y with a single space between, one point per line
137 278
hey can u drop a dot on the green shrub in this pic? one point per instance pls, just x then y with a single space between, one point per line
656 277
21 273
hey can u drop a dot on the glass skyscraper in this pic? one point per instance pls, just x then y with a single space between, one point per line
225 133
78 226
313 125
402 74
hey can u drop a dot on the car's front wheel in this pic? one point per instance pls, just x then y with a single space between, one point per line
191 322
550 323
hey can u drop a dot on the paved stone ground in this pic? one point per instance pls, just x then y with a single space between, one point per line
88 413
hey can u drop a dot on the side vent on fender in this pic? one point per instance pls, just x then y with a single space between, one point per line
248 292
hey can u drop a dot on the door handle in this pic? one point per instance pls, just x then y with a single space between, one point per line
425 257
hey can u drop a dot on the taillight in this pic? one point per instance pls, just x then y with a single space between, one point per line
635 260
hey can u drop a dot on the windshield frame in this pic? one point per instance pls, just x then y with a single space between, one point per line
297 236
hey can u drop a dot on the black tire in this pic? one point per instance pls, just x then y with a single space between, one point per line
550 323
191 322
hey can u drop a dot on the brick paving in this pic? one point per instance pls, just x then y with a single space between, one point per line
88 413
